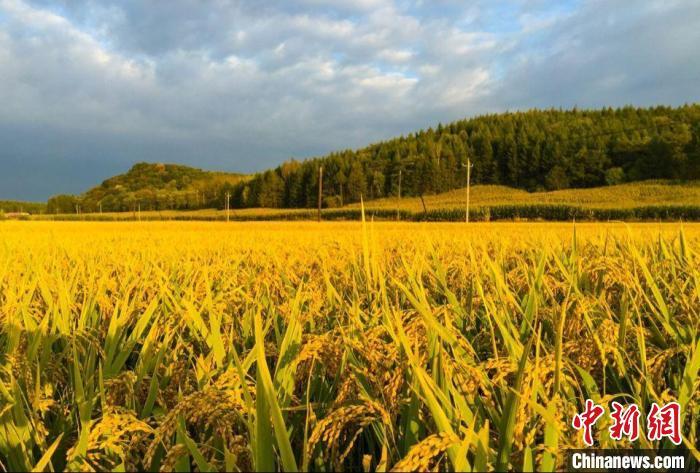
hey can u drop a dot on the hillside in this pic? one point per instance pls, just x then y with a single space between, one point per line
623 196
535 150
151 187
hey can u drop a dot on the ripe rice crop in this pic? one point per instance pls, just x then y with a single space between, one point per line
357 346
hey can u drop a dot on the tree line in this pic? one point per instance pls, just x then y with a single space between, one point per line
13 206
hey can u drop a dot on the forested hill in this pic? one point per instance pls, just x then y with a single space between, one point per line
534 150
151 187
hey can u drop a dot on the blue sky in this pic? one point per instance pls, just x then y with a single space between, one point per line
88 88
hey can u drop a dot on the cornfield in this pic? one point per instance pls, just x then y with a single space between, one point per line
518 212
182 346
622 196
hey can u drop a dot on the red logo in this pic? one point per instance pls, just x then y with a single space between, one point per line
662 422
665 422
625 422
586 419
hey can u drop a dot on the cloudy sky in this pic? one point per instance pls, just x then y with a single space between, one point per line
88 88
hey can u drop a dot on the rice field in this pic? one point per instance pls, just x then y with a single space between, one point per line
202 346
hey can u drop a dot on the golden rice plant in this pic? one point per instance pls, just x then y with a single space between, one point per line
164 346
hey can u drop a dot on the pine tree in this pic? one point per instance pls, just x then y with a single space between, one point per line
357 184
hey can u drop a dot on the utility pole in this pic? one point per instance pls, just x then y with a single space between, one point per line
139 211
320 190
100 207
408 171
228 206
398 208
469 167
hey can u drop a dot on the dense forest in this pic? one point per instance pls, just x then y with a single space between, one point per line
150 187
533 150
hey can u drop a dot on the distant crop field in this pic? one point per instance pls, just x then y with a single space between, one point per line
645 201
623 196
183 346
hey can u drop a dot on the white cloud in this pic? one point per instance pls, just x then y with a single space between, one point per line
349 5
397 56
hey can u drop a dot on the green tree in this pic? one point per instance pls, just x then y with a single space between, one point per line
614 176
272 190
357 184
62 204
556 179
